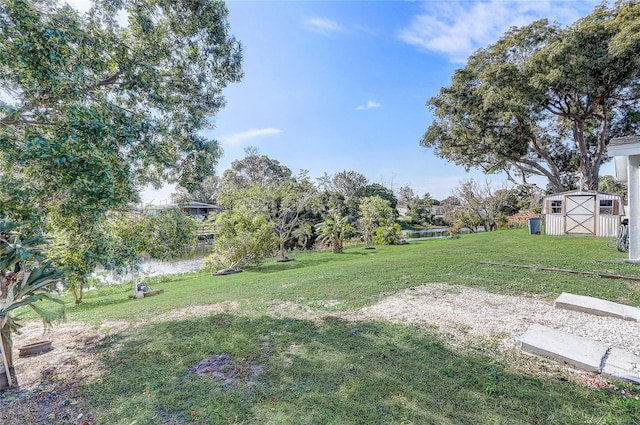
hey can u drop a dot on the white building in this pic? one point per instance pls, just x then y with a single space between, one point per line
582 213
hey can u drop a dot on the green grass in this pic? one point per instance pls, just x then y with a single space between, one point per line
289 371
358 277
334 373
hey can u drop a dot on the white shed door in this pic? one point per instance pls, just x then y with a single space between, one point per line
580 215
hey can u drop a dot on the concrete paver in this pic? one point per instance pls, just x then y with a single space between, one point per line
582 352
621 364
547 342
597 306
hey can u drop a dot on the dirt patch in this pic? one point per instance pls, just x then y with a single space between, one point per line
48 383
225 370
47 391
462 313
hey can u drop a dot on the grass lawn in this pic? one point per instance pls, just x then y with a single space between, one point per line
246 365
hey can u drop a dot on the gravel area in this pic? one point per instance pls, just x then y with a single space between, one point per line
459 311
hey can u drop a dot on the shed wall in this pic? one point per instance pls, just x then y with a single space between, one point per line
606 225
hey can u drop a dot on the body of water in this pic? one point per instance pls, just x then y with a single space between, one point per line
150 268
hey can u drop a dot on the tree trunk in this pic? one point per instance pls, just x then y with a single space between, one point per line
77 290
7 352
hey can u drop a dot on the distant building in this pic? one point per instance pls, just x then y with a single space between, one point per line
403 210
200 210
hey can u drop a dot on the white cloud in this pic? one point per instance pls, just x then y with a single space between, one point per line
239 138
322 25
370 105
457 29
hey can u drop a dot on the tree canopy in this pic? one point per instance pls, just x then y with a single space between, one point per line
95 109
99 110
544 100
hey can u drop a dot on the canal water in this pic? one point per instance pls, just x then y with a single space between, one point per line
150 268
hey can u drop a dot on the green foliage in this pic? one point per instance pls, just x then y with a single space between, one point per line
26 277
480 205
163 235
260 185
116 242
420 209
461 218
291 210
379 190
80 243
206 191
376 213
609 184
343 191
543 100
97 110
252 171
139 94
388 233
241 239
334 229
167 234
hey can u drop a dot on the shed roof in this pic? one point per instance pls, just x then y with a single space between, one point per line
578 192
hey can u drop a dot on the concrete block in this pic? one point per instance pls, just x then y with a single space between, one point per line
597 306
564 347
623 365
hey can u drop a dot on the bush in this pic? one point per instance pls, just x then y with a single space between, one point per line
389 234
240 240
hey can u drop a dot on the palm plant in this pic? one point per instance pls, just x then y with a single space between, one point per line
334 229
25 278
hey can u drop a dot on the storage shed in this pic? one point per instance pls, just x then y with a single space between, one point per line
582 213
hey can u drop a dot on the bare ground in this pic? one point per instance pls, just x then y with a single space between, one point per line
48 383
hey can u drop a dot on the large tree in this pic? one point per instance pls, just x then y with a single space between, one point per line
374 212
98 109
544 100
252 170
262 186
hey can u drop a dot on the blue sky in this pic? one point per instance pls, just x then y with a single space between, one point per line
342 85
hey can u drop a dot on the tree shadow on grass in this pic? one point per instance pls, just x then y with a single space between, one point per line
334 372
272 266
